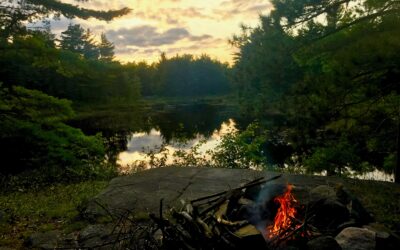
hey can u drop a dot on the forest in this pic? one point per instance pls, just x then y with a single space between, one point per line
319 80
314 88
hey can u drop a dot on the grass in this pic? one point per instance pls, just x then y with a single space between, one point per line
51 208
382 199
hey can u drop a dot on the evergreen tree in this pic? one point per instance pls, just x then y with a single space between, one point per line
77 40
106 49
15 15
90 48
323 76
73 39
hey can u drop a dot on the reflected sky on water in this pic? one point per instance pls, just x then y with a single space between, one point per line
140 144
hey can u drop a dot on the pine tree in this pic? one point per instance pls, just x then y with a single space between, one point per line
106 49
77 40
90 48
13 18
73 39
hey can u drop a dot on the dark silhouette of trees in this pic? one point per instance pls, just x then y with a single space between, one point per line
323 75
106 49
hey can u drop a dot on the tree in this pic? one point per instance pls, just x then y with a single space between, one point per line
90 49
187 75
73 39
15 14
77 40
106 49
330 84
35 137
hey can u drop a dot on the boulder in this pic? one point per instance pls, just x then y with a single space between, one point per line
69 241
47 240
385 239
94 236
329 214
354 238
323 243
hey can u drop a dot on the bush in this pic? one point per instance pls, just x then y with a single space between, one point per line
35 137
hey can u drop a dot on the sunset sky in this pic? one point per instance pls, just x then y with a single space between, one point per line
172 26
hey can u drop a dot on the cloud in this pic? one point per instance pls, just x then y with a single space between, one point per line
171 26
230 8
148 36
172 16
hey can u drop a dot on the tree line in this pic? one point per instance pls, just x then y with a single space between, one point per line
42 76
322 77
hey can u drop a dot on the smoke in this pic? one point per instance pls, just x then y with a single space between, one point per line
262 212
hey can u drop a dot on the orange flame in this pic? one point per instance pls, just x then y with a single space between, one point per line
285 215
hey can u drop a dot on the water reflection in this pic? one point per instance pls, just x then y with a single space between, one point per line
140 144
129 133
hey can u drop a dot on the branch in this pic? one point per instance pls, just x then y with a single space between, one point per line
70 10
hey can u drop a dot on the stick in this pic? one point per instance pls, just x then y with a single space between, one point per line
248 185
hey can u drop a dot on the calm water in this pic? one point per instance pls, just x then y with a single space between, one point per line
140 144
131 134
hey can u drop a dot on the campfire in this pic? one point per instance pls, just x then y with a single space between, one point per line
285 216
262 213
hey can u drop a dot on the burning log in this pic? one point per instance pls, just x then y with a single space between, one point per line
232 219
215 219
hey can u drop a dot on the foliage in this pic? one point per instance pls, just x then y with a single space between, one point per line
63 73
242 150
188 76
322 77
15 14
35 137
106 49
235 149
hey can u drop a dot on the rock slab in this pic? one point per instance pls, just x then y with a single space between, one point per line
143 191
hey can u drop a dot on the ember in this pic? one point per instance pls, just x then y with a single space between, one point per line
285 215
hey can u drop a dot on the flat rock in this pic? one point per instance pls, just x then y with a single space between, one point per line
143 191
354 238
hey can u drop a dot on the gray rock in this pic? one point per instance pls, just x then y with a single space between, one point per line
47 240
69 241
385 239
94 236
354 238
322 192
143 191
323 243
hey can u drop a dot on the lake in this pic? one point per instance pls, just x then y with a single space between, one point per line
130 134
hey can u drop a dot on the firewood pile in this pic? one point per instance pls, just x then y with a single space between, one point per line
228 220
259 214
